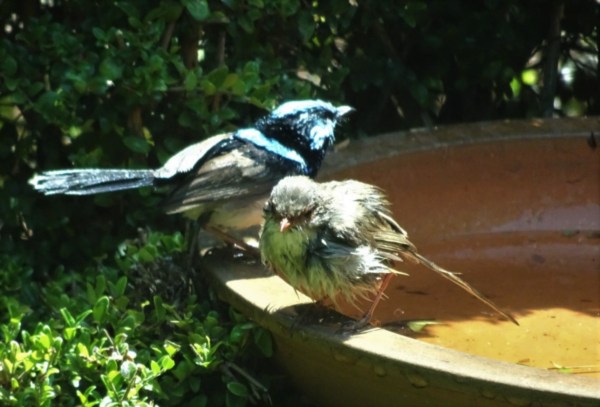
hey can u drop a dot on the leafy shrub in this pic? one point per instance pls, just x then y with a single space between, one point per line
105 341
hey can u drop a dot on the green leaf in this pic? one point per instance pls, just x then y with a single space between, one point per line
129 8
155 367
91 293
264 341
44 340
99 34
190 82
418 326
237 334
74 131
529 77
100 308
246 23
306 25
83 350
167 363
218 76
8 66
289 7
239 88
208 88
148 254
81 317
230 80
198 9
171 347
155 63
120 286
135 23
137 316
47 101
67 317
137 144
159 308
168 10
69 333
184 369
111 69
12 84
100 285
112 379
256 3
237 388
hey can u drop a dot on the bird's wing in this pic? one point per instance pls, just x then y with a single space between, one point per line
390 237
360 215
239 170
339 257
192 156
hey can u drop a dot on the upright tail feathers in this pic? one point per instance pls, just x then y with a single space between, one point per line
90 181
463 284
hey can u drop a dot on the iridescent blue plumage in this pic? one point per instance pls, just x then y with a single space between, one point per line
271 145
314 121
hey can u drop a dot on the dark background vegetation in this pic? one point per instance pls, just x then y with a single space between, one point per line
128 83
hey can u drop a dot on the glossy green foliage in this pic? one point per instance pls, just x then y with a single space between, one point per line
110 336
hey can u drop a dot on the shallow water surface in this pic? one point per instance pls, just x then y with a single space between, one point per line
521 221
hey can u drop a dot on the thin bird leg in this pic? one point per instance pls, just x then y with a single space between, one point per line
192 229
384 284
227 238
356 325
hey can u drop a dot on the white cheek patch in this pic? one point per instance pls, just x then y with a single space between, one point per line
321 133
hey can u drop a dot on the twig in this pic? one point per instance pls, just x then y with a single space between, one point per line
552 55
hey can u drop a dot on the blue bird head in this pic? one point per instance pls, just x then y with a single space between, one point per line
306 127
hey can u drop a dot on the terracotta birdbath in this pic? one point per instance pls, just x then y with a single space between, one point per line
515 208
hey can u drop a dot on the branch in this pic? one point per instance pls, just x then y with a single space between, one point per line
166 40
552 55
220 61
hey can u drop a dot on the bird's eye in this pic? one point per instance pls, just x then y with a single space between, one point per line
268 208
307 214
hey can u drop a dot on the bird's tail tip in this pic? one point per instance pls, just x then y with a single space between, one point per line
89 181
454 277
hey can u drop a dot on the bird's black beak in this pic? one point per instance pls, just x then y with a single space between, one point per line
344 110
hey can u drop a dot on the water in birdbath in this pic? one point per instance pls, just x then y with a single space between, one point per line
521 221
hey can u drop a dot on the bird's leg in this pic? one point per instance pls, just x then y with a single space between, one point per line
384 284
191 239
366 319
227 238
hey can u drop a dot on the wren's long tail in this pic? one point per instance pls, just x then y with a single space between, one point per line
91 181
463 284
